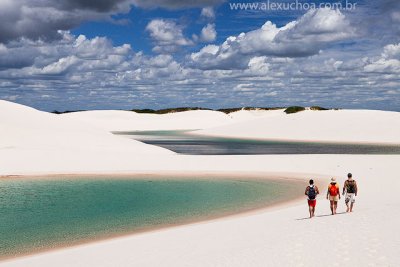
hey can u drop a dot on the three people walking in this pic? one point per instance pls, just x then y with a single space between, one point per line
333 194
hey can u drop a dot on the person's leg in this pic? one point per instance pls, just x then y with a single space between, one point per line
332 206
335 206
351 205
313 211
310 210
347 205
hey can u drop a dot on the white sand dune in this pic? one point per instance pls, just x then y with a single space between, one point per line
112 120
33 142
24 128
363 126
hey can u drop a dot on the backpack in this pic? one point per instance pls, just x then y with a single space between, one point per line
351 186
333 191
311 193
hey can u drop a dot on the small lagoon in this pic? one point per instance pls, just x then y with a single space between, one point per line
183 142
38 214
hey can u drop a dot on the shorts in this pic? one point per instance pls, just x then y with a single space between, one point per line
334 198
350 197
312 203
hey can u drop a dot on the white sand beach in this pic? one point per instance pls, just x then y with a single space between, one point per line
38 143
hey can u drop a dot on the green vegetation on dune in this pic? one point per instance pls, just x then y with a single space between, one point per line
289 110
168 110
230 110
66 111
294 109
318 108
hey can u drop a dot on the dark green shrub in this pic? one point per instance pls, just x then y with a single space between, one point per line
66 111
230 110
146 110
318 108
294 109
167 110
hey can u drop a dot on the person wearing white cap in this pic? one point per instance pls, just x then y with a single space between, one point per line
333 195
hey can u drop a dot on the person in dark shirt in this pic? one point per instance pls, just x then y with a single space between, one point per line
350 189
311 193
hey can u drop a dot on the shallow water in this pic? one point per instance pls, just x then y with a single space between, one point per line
38 214
184 143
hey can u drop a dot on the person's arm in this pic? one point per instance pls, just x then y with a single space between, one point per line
327 193
355 188
344 187
306 192
338 191
317 190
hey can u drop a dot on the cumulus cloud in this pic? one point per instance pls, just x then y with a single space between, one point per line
62 57
389 62
43 19
15 58
208 13
167 35
391 51
259 66
208 33
301 38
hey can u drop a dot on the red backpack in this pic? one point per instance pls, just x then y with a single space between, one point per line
333 190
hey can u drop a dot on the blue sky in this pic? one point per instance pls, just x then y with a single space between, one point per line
124 54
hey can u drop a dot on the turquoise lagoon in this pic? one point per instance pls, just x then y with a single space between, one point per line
39 214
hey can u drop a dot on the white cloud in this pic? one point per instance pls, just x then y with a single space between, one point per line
384 65
43 19
208 33
61 66
301 38
167 35
389 62
258 66
244 87
391 51
321 25
161 61
208 13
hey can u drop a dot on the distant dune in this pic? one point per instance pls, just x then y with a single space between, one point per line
357 126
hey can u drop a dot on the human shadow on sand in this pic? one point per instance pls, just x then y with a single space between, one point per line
324 215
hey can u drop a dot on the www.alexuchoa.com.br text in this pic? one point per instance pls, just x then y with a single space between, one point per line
291 6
